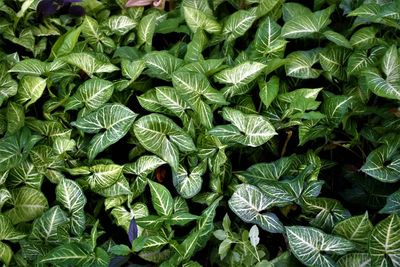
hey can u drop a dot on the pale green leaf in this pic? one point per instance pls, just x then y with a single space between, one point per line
92 94
300 64
163 137
161 64
89 63
310 245
145 30
355 259
198 20
27 204
7 230
188 183
384 245
143 165
120 25
45 228
237 24
30 89
15 117
104 175
115 119
70 195
161 198
248 202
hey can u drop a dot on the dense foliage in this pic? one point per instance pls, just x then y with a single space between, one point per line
200 133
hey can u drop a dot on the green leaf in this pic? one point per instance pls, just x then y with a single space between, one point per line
268 40
309 245
143 166
145 30
7 231
161 136
65 43
238 77
248 202
27 204
360 59
333 60
356 229
115 119
132 69
364 38
10 153
92 94
6 254
338 39
161 199
104 175
182 218
392 203
264 172
8 87
198 20
120 25
161 64
380 86
89 63
383 163
300 64
237 24
172 100
45 228
15 117
188 184
72 254
249 130
355 259
305 25
269 90
70 195
384 245
30 89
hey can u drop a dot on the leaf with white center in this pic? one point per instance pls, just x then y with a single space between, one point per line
333 60
70 195
250 130
237 24
263 172
247 202
45 227
161 64
27 204
120 187
196 46
383 163
115 119
161 198
361 59
384 242
143 166
364 38
30 89
198 20
197 92
338 39
300 64
182 218
239 76
172 100
26 174
268 38
145 30
391 65
30 67
304 25
62 145
310 245
7 230
392 204
327 212
150 102
380 86
4 196
207 67
120 25
188 184
335 108
161 136
104 175
355 259
73 254
92 94
8 87
132 69
89 63
10 153
291 10
356 229
15 117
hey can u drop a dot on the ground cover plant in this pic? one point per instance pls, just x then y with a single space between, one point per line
199 133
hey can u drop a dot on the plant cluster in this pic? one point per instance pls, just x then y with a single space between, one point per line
200 133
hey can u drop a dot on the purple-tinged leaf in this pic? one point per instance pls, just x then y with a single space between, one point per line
118 261
133 230
76 11
133 3
47 8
